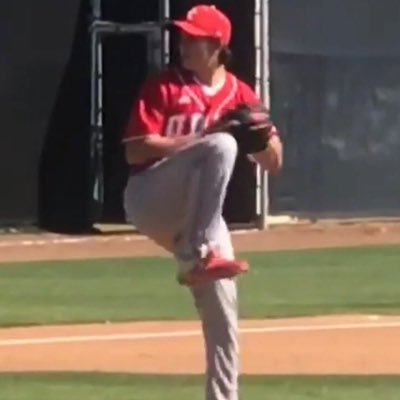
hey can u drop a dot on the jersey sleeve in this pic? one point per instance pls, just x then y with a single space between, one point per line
148 111
247 94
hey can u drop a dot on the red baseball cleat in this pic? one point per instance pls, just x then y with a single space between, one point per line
212 268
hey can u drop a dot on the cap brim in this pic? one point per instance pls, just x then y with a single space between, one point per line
190 29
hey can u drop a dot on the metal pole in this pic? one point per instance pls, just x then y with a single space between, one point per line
165 15
96 117
265 38
258 89
262 87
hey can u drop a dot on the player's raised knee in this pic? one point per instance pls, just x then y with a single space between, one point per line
223 143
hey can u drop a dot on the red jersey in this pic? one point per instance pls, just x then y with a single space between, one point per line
174 103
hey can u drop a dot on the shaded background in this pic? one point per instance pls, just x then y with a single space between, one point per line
335 95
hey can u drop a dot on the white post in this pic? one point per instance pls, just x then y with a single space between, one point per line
165 14
265 84
96 117
261 37
265 38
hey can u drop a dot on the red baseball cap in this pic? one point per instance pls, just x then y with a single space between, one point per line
207 21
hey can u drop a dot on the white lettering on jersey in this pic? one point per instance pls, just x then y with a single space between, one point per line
178 124
198 123
175 125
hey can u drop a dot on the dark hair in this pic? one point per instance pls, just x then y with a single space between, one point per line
225 56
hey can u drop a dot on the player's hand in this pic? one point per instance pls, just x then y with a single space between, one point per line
249 124
275 154
271 159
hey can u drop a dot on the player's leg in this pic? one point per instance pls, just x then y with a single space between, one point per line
178 203
161 202
198 241
217 306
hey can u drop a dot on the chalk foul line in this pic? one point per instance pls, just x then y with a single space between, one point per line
190 333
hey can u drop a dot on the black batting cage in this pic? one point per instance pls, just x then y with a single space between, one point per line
70 70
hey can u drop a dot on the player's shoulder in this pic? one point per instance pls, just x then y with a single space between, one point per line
166 76
244 93
162 84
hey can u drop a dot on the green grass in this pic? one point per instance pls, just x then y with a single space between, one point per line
134 387
360 280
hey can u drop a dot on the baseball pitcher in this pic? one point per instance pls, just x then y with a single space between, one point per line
184 133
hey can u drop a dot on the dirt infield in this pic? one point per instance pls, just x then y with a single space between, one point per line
333 345
307 236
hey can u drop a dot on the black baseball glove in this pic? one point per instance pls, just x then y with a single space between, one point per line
249 124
